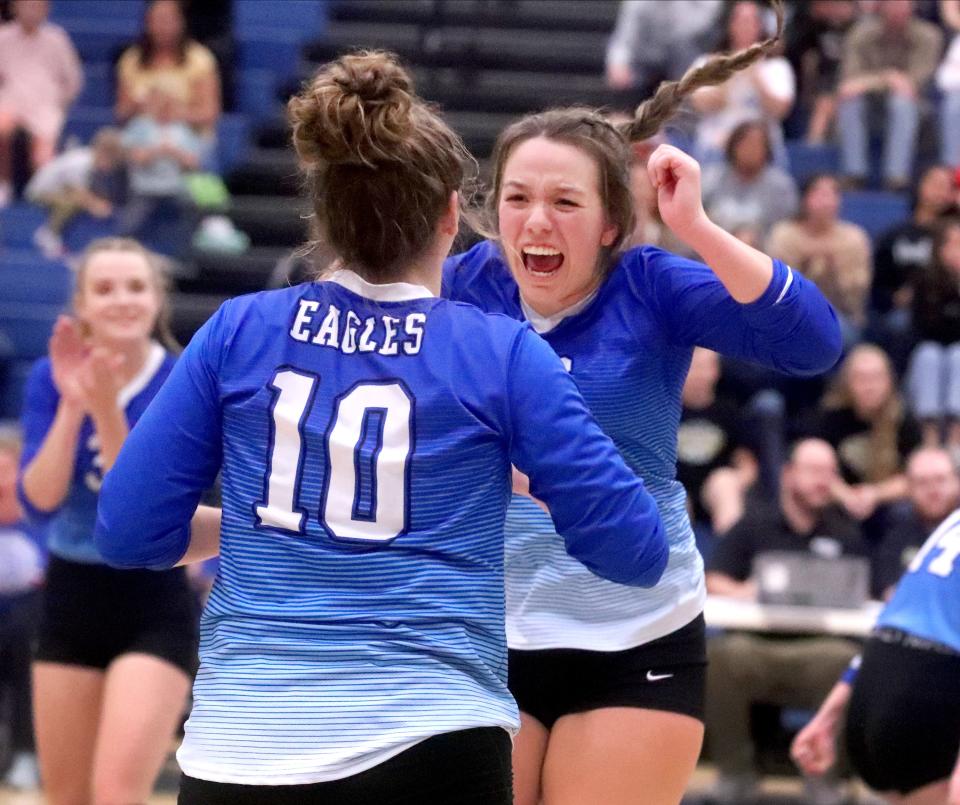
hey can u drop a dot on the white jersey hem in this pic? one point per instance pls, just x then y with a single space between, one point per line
610 636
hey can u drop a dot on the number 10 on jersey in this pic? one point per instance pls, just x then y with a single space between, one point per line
368 446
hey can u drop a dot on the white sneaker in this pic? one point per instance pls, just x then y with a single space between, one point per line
24 772
48 242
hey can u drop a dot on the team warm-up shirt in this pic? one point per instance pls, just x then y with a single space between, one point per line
69 528
926 602
629 349
366 435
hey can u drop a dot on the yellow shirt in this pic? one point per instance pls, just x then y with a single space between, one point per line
177 80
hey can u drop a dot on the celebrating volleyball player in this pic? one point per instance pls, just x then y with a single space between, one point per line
610 680
116 648
352 648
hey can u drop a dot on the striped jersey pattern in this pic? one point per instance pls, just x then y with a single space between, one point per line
629 350
926 602
365 435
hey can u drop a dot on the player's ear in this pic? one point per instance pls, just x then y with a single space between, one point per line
450 220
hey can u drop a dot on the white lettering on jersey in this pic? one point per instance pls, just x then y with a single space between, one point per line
340 329
302 319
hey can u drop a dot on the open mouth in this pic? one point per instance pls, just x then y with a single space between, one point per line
541 261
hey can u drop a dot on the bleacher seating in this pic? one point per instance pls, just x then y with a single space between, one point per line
485 62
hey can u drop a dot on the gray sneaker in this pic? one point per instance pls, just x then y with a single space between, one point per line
824 791
733 789
24 772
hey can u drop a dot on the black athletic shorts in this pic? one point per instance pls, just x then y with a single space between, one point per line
92 614
903 722
468 767
666 674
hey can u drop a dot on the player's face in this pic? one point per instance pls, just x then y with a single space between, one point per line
118 299
552 223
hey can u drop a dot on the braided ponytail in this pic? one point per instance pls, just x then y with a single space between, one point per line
654 112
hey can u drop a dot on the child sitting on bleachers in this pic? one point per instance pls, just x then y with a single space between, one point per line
161 149
89 179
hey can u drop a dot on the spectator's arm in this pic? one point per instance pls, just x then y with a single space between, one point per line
855 275
126 106
775 84
71 75
721 584
205 107
855 79
950 13
925 56
187 159
624 42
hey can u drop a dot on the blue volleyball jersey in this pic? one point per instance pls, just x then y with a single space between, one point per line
366 435
926 602
69 528
629 350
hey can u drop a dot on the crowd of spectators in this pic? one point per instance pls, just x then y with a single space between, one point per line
132 175
873 467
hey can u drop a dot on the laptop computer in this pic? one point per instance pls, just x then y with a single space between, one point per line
803 579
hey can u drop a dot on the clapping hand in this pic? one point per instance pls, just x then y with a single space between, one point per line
87 379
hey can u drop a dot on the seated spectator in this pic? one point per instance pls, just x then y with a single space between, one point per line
653 42
21 572
815 48
89 179
905 249
948 82
715 463
161 148
765 91
933 376
745 669
747 192
864 417
167 58
834 254
40 75
888 59
933 491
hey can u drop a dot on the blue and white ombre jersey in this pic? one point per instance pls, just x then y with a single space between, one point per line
68 530
926 602
366 434
629 349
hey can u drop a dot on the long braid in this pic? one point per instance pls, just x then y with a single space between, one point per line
654 112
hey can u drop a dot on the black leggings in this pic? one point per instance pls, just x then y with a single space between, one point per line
469 767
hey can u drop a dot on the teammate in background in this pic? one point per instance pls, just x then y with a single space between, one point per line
901 701
352 647
116 648
610 681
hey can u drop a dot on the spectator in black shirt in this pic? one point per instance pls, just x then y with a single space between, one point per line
906 248
747 668
864 417
714 462
933 492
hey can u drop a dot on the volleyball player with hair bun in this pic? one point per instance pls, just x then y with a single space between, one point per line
610 680
352 647
116 648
